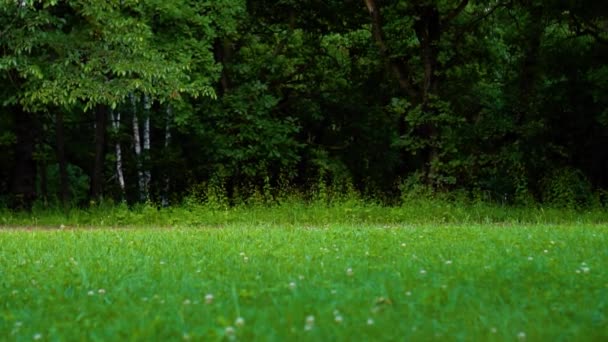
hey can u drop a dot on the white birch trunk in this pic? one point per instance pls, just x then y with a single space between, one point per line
137 145
119 172
146 150
169 116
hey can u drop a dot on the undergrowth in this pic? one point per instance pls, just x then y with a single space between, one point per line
294 211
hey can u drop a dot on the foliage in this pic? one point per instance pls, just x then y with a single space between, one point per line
489 98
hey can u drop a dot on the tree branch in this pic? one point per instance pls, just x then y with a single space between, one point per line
455 12
399 70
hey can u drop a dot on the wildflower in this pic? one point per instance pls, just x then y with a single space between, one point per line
162 262
209 298
493 330
101 291
310 323
301 277
585 269
370 321
448 262
349 272
333 292
242 254
239 322
245 259
292 285
338 319
187 302
186 337
530 258
37 336
546 251
229 331
408 293
521 335
18 324
403 244
422 271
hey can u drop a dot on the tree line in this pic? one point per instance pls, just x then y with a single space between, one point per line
149 100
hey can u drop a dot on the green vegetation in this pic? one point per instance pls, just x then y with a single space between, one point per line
421 169
298 213
148 100
339 282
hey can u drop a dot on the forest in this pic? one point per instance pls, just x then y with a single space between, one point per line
153 101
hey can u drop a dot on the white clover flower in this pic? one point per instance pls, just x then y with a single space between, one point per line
530 258
101 291
349 272
403 244
546 251
370 321
292 285
229 331
338 319
186 337
493 330
448 262
408 293
521 335
37 336
209 298
310 322
239 322
245 259
91 293
187 302
18 324
423 271
242 254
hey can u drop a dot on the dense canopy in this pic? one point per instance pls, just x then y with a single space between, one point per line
152 100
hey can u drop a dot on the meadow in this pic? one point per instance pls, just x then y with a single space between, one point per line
345 273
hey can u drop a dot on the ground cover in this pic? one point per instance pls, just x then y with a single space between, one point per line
324 283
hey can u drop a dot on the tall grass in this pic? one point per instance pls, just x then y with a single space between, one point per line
294 211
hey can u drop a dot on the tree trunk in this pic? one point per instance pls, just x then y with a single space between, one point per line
23 185
101 114
428 32
529 73
137 146
64 186
168 118
119 173
146 146
44 187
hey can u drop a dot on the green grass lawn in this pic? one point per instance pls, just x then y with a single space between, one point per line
326 283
